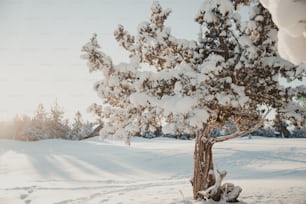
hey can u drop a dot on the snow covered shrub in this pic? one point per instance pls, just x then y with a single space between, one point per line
299 133
194 87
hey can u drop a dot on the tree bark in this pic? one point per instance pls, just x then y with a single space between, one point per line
203 177
205 184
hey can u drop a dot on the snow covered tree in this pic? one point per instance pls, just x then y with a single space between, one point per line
21 124
195 87
77 126
56 127
37 129
15 128
299 132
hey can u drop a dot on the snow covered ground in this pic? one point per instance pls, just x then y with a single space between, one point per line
149 171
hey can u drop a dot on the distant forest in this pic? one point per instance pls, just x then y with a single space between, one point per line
46 125
52 124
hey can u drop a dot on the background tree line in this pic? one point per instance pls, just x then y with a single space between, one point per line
45 125
52 124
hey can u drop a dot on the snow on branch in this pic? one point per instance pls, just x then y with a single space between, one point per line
228 72
96 60
158 15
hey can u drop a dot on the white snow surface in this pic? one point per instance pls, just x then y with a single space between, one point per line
148 171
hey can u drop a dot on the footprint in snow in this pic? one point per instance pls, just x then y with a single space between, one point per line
23 196
27 201
30 190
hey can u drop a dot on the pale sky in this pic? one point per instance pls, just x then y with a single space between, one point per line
40 43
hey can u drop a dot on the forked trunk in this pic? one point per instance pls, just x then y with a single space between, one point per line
205 184
203 177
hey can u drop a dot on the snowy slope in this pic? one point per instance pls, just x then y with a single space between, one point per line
149 171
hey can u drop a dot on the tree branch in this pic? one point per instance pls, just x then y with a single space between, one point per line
214 190
225 48
241 133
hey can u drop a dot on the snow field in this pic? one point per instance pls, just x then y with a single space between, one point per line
149 171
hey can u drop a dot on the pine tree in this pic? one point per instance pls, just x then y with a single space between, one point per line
56 127
20 126
195 87
77 127
37 129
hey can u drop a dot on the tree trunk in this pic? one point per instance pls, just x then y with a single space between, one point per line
205 184
203 177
